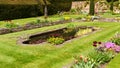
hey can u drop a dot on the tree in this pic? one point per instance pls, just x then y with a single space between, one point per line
92 7
45 9
111 5
111 2
45 4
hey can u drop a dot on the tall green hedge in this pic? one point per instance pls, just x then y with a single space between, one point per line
23 11
61 6
18 11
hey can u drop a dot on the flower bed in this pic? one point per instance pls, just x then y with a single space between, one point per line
59 36
102 54
11 27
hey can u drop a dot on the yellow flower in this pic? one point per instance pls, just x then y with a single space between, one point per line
67 18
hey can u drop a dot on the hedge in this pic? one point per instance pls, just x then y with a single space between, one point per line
18 11
24 11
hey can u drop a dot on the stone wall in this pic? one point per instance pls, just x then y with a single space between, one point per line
100 6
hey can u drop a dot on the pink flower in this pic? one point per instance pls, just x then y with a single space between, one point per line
109 45
117 48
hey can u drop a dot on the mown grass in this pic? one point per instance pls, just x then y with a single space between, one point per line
13 55
109 15
27 20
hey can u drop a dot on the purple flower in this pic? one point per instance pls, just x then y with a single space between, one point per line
109 45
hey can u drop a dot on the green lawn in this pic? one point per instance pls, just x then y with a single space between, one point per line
27 20
13 55
109 15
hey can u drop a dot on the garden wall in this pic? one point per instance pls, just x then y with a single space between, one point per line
100 6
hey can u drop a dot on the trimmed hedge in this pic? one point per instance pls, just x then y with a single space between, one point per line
24 11
61 6
18 11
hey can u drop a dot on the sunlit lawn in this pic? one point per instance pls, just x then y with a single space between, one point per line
13 55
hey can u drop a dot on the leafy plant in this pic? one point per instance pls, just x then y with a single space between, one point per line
11 25
84 62
38 21
55 40
71 30
116 41
71 26
100 57
82 32
46 21
62 19
73 11
41 21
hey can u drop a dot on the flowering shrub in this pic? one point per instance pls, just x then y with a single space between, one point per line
102 54
55 40
83 32
67 18
107 46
